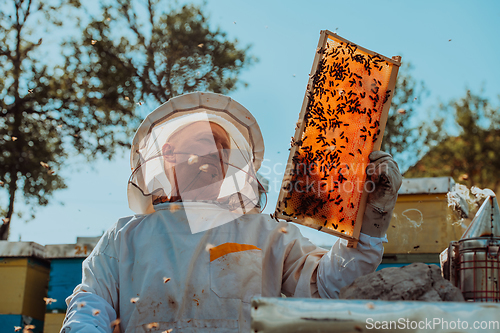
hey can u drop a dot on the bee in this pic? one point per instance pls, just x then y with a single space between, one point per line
174 207
115 322
152 325
49 300
192 159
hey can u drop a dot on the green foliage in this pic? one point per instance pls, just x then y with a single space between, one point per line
28 130
158 55
470 157
85 104
401 135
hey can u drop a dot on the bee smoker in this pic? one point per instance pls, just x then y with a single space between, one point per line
473 263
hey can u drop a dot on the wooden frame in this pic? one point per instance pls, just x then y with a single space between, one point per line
336 60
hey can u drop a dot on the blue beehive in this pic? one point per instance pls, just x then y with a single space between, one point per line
65 274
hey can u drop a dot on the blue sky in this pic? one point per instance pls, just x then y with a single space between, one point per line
453 46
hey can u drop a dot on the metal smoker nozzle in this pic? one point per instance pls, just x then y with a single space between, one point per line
487 221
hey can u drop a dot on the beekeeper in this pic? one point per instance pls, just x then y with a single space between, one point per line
198 249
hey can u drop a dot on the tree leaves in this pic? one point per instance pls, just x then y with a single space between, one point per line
471 156
86 103
400 135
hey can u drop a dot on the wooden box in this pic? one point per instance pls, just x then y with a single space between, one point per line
65 274
24 276
422 222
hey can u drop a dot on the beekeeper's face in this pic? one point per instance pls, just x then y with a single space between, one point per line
196 160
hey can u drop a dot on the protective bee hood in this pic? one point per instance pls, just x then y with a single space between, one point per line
237 184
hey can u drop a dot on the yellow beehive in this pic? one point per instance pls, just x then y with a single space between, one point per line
24 276
422 222
53 322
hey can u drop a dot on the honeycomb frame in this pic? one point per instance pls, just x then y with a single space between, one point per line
341 122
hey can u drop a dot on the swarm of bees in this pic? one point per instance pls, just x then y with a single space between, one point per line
46 166
340 126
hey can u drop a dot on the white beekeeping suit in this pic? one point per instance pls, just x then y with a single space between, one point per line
198 250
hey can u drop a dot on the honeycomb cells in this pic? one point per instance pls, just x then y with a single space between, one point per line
341 124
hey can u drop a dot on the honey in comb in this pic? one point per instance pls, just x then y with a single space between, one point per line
345 101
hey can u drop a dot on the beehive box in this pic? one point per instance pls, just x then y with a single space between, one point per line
422 222
53 322
24 275
342 121
8 323
65 274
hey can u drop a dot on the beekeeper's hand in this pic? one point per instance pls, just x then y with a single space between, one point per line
386 180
